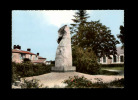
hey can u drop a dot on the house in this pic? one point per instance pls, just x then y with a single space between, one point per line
18 55
40 60
117 59
48 62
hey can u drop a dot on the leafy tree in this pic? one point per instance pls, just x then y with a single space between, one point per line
84 60
91 40
93 34
121 35
80 18
97 36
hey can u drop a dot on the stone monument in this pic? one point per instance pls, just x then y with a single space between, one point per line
63 60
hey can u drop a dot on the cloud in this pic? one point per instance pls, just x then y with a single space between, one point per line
59 17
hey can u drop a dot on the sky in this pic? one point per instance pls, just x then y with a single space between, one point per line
38 29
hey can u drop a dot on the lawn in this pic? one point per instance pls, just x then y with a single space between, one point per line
112 71
112 68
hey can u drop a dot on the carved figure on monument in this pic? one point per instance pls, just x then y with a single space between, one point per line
63 60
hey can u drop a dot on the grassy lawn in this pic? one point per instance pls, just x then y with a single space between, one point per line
106 71
112 68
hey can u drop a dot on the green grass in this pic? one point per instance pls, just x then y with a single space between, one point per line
112 68
106 71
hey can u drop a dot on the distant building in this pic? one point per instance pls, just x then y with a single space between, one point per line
117 59
48 62
18 55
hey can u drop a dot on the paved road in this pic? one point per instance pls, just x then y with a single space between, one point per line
54 79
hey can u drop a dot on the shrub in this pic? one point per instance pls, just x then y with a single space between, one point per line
117 83
14 72
82 82
77 82
34 83
85 60
27 69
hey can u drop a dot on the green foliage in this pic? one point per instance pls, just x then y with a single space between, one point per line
77 82
80 18
92 34
34 83
121 35
28 69
89 41
85 60
117 83
97 36
14 72
82 82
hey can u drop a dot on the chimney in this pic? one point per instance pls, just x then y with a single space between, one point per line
20 47
37 54
29 49
17 47
14 47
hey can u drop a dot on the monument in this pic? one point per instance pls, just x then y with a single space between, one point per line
63 60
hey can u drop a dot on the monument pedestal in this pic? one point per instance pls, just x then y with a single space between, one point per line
63 69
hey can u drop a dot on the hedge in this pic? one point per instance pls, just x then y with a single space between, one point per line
29 69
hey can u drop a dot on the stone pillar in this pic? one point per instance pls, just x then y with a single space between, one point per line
63 60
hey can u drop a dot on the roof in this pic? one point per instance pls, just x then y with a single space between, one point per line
119 50
39 57
21 51
37 61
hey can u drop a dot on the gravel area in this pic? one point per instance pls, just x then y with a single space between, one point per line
55 79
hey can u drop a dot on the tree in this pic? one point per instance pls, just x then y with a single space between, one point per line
97 36
94 39
80 18
121 35
93 34
84 60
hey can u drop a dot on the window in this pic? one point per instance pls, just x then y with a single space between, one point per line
22 56
104 59
121 59
114 58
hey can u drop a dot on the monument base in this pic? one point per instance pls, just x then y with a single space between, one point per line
63 69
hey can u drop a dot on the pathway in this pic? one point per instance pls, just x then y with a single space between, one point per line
55 79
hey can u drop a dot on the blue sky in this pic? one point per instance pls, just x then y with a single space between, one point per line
37 29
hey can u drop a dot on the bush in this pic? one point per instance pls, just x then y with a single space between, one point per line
27 69
77 82
82 82
34 83
85 60
117 83
14 72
